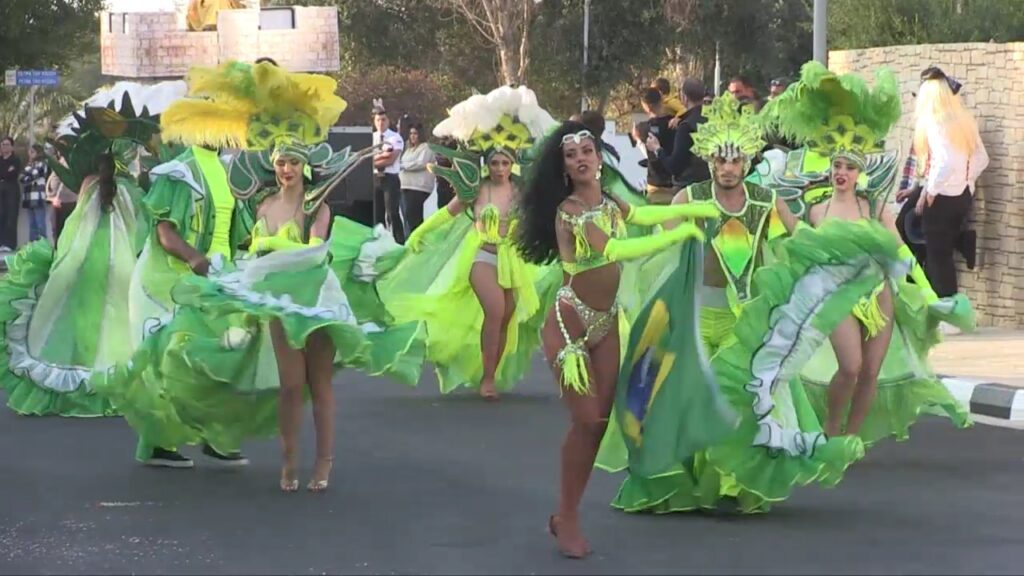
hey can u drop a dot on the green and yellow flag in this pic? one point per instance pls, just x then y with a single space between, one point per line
667 404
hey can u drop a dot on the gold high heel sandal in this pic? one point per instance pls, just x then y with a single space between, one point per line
320 485
289 482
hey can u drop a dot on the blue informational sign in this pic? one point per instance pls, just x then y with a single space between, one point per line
32 78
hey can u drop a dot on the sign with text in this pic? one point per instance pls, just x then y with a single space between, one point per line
23 78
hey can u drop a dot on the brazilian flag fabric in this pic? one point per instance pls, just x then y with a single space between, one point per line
668 404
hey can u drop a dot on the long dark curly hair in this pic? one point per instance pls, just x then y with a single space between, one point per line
106 170
546 189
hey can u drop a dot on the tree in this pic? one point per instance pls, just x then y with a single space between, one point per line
770 39
870 23
61 34
504 25
53 33
626 46
418 93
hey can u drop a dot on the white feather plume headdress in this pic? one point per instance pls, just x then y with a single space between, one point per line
506 118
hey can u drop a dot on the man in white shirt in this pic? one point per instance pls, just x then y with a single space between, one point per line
387 188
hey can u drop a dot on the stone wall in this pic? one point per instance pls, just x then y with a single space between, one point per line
157 45
989 73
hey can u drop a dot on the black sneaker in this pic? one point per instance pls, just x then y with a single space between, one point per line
168 459
230 459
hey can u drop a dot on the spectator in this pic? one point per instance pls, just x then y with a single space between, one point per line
659 179
776 87
594 121
671 105
61 197
417 181
33 187
387 188
908 223
10 194
685 167
445 191
950 158
743 89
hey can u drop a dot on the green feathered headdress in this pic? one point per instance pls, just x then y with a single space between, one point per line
730 131
100 130
251 172
836 115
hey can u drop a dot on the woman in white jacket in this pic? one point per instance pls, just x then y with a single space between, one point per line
417 181
950 158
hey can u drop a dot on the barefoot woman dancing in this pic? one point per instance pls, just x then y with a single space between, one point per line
567 216
482 312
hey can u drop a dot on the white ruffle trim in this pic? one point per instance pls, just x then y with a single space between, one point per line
332 303
364 268
790 342
59 378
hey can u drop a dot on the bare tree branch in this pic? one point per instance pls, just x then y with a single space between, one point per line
504 24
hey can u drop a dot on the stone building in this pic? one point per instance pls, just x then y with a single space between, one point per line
990 73
158 45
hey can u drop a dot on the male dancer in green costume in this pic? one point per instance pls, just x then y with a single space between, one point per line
196 221
738 245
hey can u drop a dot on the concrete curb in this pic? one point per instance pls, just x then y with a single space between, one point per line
988 398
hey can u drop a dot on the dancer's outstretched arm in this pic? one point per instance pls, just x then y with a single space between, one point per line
176 246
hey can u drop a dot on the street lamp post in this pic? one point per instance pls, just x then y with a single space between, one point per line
586 42
821 31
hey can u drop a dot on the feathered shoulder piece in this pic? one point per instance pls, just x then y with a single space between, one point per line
252 106
836 115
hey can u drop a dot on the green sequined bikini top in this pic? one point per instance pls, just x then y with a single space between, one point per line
607 217
489 220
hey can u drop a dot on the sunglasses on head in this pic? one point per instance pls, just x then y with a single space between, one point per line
577 137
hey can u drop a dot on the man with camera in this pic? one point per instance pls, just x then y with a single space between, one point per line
660 189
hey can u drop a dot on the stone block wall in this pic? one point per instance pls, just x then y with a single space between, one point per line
152 45
157 45
989 73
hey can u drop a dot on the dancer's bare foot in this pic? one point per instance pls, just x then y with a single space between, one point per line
289 483
488 391
571 542
321 474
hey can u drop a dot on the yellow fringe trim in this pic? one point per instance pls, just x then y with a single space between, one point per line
573 361
870 314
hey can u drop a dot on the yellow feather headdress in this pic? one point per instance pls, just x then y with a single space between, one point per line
253 107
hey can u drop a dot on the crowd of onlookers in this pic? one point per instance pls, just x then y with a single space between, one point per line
401 181
936 192
29 190
666 136
947 156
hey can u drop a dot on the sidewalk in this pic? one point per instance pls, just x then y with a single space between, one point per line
988 355
984 370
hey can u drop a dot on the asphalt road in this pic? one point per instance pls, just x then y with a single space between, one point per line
425 484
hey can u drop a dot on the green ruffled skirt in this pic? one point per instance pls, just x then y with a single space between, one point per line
65 311
433 287
817 278
906 385
210 375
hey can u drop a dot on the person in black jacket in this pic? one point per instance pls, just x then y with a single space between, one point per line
10 194
685 167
